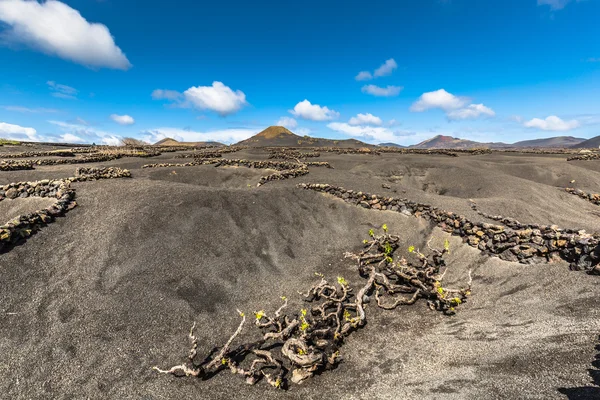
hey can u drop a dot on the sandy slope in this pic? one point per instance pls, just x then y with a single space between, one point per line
93 301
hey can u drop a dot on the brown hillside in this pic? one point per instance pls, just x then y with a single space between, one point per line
279 136
173 142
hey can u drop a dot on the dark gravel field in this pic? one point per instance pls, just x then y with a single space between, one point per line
91 302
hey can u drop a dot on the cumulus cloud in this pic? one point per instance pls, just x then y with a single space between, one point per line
365 119
456 107
470 112
287 122
388 91
555 4
62 91
70 138
56 29
552 123
17 132
86 134
368 133
29 110
363 76
122 119
218 98
438 99
313 112
386 69
224 136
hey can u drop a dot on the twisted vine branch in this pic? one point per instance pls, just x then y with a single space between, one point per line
309 342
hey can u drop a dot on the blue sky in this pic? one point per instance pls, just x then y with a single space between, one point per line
381 71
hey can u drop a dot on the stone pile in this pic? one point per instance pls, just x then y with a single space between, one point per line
513 242
15 165
26 225
585 157
591 197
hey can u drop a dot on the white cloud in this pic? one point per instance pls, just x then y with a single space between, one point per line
456 107
86 134
122 119
368 133
313 112
470 112
363 76
62 91
16 132
183 135
555 4
386 69
218 98
29 110
388 91
516 118
365 119
438 99
70 138
552 123
166 94
379 134
287 122
303 131
55 28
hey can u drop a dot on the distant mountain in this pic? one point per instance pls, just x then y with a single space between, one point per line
279 136
390 145
588 144
558 141
449 142
173 142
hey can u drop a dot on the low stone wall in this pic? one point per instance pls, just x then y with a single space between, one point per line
277 165
517 242
188 164
50 153
585 157
92 174
285 174
201 154
317 164
591 197
293 154
26 225
15 165
83 160
443 152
